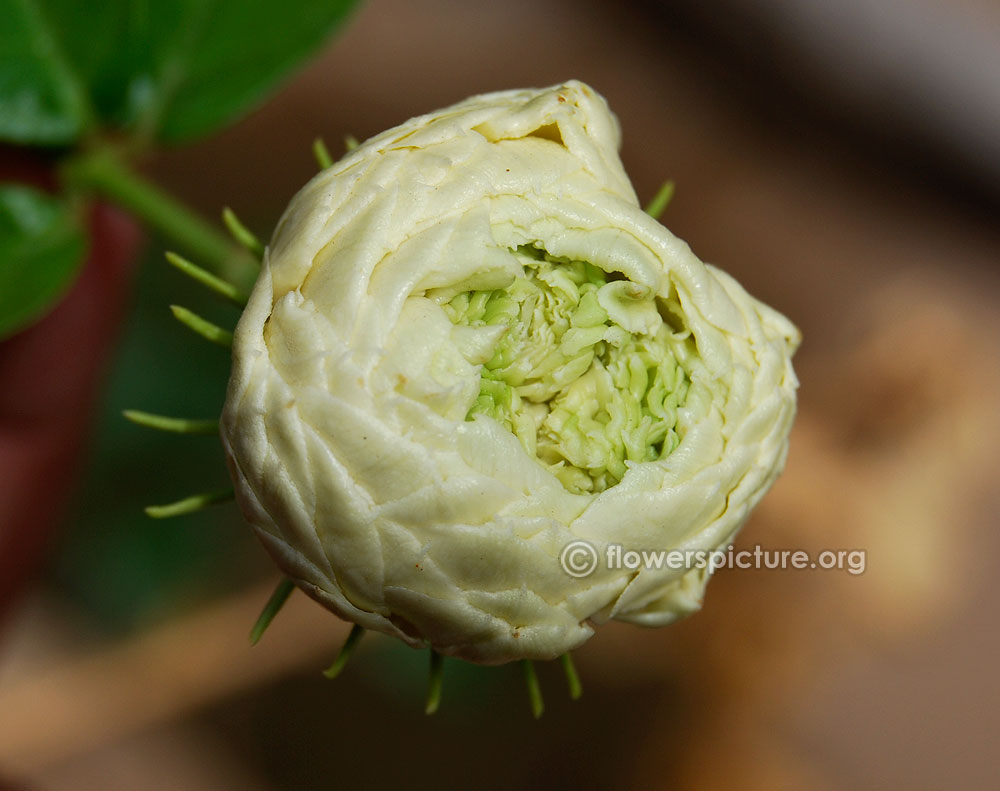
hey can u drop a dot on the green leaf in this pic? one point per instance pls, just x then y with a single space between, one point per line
241 52
42 99
172 70
41 248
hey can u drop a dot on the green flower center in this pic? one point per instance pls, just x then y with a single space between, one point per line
584 373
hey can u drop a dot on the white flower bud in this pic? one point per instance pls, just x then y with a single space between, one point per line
470 347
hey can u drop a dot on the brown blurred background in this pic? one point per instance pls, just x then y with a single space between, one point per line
842 160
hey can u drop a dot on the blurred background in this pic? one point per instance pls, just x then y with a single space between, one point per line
842 161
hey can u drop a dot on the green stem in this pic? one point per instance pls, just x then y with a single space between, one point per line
223 288
243 235
196 502
345 652
534 690
434 685
281 593
661 200
322 154
103 173
572 678
206 329
176 425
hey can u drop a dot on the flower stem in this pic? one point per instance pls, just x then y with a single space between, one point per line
103 173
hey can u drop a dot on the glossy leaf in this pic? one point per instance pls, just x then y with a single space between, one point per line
41 248
169 70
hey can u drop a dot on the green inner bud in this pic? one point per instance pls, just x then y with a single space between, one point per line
584 374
